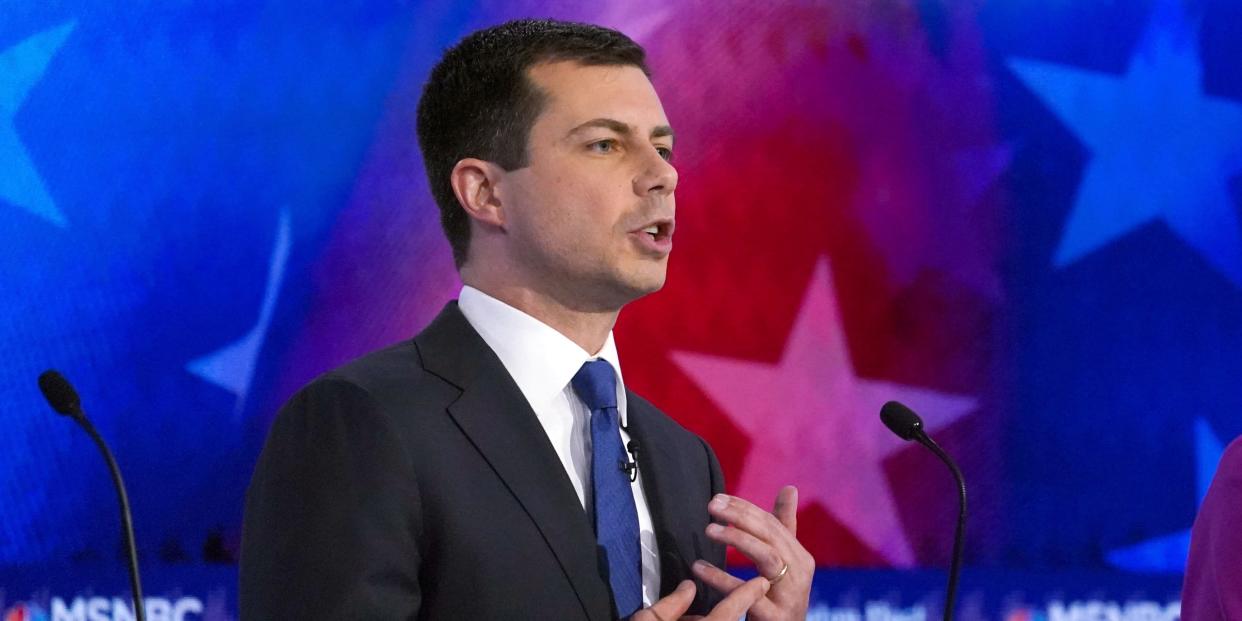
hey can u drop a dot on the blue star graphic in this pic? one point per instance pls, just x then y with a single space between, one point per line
1160 149
22 66
1168 553
232 366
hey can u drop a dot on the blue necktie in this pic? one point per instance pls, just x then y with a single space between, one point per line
616 518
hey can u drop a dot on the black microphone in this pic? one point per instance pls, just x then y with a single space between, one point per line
631 467
64 399
902 421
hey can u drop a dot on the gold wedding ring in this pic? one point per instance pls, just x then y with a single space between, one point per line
780 576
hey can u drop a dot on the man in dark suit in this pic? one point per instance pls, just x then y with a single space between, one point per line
496 467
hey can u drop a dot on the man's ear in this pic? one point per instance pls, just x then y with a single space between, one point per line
475 184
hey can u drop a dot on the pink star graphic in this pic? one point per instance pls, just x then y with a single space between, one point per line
813 423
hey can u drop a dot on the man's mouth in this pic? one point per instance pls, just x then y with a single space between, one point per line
656 238
659 231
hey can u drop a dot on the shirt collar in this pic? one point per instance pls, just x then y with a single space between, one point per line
541 360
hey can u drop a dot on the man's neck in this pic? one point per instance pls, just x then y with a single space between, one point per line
589 330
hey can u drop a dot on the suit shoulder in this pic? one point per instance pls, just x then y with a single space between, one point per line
399 359
664 424
394 374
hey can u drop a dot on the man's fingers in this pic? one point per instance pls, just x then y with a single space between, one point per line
765 556
670 607
716 577
767 540
786 508
743 516
740 600
746 516
726 583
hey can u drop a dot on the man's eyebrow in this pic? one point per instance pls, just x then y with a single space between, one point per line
621 128
612 124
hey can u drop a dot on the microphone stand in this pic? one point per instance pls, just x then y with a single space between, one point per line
907 425
955 567
127 520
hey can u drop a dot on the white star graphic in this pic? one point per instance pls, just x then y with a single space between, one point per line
813 423
21 66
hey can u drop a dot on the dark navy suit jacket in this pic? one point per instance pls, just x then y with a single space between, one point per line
416 483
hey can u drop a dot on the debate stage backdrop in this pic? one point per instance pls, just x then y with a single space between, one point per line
1018 217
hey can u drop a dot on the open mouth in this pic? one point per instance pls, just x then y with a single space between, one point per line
659 231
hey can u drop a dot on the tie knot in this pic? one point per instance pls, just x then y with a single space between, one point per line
596 385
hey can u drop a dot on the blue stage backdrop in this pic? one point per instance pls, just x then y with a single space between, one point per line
1020 218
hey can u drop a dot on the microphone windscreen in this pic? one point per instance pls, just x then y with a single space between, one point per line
59 392
901 420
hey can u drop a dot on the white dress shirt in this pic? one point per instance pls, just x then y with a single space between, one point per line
542 362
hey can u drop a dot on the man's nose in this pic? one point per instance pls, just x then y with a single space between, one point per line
657 177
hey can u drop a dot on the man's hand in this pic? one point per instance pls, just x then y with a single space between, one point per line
770 541
731 608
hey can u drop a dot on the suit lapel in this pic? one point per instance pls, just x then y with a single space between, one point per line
659 467
494 414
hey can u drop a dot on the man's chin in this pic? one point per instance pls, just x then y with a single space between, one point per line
649 273
645 284
630 285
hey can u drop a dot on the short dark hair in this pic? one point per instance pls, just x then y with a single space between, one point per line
480 102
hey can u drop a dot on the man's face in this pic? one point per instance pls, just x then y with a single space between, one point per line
590 220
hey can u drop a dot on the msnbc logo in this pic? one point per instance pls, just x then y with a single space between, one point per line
1099 610
106 609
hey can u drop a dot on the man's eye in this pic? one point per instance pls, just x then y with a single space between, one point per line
665 153
603 146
